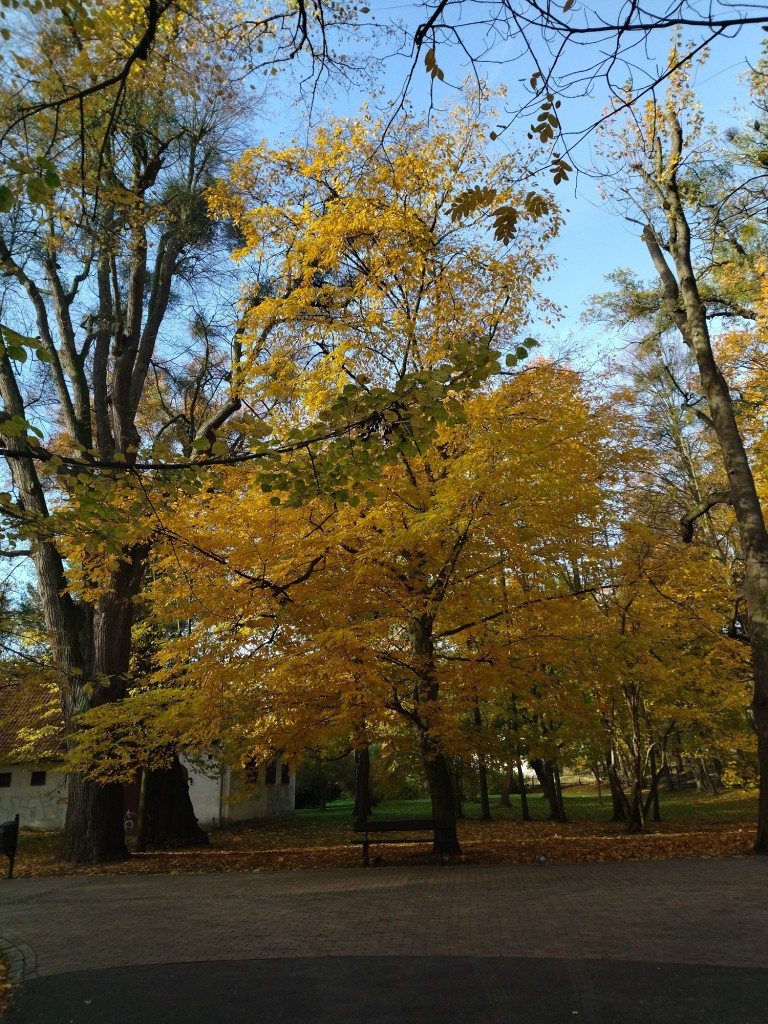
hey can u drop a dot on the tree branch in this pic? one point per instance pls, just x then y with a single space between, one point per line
715 498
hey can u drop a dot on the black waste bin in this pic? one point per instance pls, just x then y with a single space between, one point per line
9 839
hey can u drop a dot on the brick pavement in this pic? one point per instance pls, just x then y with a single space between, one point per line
704 912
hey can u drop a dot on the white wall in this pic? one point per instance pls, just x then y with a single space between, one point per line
225 798
42 807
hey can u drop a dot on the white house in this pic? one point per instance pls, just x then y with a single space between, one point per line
32 786
221 796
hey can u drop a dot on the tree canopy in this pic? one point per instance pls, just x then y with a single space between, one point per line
284 406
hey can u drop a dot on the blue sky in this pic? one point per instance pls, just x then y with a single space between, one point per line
594 240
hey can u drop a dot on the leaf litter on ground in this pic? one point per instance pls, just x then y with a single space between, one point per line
298 843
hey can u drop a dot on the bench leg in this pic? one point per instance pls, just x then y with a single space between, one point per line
365 853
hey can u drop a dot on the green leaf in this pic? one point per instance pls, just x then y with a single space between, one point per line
7 199
12 337
36 190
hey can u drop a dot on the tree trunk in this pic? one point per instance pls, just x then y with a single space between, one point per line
93 830
440 788
525 813
653 796
561 815
505 791
141 824
171 822
485 804
685 306
545 773
618 798
426 693
362 784
457 778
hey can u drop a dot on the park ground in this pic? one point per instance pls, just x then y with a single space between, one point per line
693 825
239 918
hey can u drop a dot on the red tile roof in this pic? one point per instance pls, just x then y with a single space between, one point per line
31 723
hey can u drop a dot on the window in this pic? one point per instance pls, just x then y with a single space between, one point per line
38 779
5 779
271 773
285 774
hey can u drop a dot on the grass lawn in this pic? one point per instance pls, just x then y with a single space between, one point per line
694 825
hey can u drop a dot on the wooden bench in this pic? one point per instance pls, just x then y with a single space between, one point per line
443 833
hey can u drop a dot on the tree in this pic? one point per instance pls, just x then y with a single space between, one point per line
388 635
660 664
659 162
354 319
97 274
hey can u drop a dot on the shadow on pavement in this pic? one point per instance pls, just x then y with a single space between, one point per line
398 990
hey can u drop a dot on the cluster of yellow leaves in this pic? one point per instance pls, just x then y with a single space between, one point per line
364 276
470 533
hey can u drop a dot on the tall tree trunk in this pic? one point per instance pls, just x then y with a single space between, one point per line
485 803
653 796
93 829
141 823
545 774
558 787
685 306
436 768
619 805
525 813
171 821
505 790
457 778
440 787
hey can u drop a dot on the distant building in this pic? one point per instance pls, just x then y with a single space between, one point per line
31 749
33 786
221 796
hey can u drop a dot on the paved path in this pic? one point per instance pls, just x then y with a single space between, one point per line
609 943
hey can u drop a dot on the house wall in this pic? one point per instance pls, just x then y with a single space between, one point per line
225 798
42 807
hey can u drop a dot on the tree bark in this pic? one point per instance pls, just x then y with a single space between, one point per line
485 803
504 800
426 692
545 773
440 787
618 799
171 822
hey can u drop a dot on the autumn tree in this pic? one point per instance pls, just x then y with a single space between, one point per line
96 277
661 154
373 621
376 308
660 665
